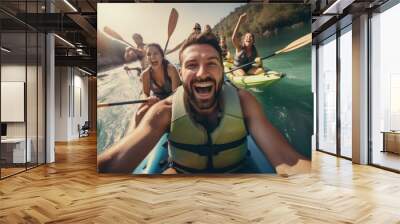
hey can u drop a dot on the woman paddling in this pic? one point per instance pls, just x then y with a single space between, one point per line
246 52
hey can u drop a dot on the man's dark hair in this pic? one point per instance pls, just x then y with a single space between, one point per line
202 38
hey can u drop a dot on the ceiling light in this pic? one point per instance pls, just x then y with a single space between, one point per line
5 50
70 5
331 8
337 7
86 72
64 40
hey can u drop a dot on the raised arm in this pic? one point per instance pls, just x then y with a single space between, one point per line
235 38
279 152
127 154
174 76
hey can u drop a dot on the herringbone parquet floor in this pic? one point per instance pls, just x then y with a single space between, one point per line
70 191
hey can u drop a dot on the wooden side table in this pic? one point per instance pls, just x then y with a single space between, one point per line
391 141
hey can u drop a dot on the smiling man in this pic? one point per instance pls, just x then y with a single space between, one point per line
208 123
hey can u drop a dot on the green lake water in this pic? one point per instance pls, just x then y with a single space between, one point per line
289 102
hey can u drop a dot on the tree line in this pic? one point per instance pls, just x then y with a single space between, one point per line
264 20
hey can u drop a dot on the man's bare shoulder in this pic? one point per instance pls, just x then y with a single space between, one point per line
246 97
249 103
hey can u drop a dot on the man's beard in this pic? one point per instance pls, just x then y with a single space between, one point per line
199 104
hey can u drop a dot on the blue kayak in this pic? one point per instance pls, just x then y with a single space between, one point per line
157 160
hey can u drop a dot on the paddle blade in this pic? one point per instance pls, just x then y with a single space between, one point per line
112 33
173 19
306 39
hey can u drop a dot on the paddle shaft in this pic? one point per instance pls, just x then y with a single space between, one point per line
166 44
120 103
240 67
127 43
115 35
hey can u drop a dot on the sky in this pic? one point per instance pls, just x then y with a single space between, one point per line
151 20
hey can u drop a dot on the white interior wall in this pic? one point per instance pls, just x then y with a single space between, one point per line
70 83
61 103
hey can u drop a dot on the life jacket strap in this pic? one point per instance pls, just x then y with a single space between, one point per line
204 150
183 169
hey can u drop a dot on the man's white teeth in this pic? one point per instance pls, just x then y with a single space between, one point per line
203 84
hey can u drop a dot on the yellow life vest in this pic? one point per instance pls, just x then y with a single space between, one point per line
192 149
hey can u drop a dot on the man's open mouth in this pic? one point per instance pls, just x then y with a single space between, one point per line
204 90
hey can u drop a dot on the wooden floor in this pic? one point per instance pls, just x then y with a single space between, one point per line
10 171
70 191
387 159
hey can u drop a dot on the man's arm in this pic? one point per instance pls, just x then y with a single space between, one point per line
143 108
127 154
279 152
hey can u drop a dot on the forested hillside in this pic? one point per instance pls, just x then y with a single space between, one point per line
265 19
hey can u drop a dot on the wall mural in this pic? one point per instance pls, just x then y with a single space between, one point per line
204 88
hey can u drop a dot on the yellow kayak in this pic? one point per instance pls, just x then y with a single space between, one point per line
263 79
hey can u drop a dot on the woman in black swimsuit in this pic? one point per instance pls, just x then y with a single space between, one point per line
160 79
246 52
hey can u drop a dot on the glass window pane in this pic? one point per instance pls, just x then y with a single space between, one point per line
31 97
346 92
13 85
41 98
23 85
385 89
327 95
